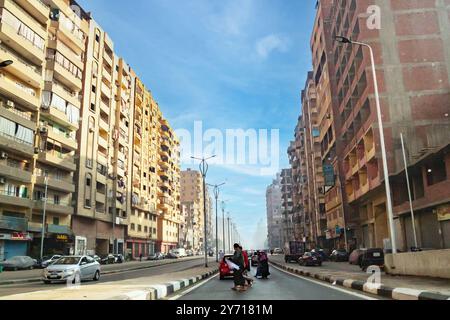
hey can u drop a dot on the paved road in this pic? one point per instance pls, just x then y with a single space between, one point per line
6 290
280 286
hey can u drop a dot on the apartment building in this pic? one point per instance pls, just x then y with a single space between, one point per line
274 214
287 205
142 230
413 75
192 195
169 205
40 110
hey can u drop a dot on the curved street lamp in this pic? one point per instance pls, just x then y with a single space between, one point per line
345 40
6 63
216 196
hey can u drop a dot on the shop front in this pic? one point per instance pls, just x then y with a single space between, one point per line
138 247
57 240
14 244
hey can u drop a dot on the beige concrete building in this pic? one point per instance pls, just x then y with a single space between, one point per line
192 194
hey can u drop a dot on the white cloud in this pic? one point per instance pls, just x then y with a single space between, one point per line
266 45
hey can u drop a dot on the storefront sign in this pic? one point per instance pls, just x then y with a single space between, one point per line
62 238
443 212
16 236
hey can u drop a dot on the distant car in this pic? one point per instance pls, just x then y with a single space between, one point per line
108 259
224 269
156 256
355 256
310 259
189 253
96 258
372 257
72 267
277 251
339 255
48 260
18 263
119 258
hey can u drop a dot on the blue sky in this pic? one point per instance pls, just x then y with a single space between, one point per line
231 64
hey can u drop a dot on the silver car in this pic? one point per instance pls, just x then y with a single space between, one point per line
18 262
72 268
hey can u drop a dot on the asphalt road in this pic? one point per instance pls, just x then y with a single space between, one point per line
6 290
279 286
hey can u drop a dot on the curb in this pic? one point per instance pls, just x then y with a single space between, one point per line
159 291
34 280
376 289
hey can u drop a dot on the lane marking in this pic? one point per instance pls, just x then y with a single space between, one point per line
326 285
193 288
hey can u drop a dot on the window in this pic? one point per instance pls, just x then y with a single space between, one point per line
87 191
133 226
56 199
56 221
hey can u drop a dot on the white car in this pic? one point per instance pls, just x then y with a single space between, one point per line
72 268
48 260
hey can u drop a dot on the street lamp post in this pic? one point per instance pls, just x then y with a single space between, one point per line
342 39
216 196
223 226
43 217
204 170
229 239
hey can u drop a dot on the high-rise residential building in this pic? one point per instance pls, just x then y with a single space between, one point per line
274 214
413 67
287 205
39 113
67 125
192 193
169 205
142 230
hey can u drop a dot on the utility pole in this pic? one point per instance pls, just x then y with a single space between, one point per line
223 226
43 217
216 196
229 239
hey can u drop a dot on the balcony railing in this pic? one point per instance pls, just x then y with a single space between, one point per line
13 223
26 115
19 85
18 58
14 193
3 134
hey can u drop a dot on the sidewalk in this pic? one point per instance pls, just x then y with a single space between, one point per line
24 276
147 288
396 287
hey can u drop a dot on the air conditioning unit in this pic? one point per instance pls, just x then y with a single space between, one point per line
9 104
3 155
2 180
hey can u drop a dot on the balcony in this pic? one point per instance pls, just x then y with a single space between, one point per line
13 223
100 197
102 142
26 119
67 52
106 91
68 37
11 36
108 59
34 227
60 184
20 68
66 94
104 107
59 117
65 76
52 228
16 145
106 74
60 207
15 171
19 92
13 199
370 154
102 159
65 140
39 9
58 159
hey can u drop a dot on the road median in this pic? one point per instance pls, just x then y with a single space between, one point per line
136 266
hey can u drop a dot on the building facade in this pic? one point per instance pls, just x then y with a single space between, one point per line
274 214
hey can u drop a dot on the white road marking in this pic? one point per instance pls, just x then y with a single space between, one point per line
326 285
193 288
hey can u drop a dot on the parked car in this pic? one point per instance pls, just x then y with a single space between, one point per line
189 253
48 260
310 259
372 257
355 256
108 259
171 255
321 253
156 256
72 267
119 258
339 255
224 270
96 258
18 263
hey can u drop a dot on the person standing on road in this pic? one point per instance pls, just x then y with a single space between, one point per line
246 268
140 257
263 265
238 259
